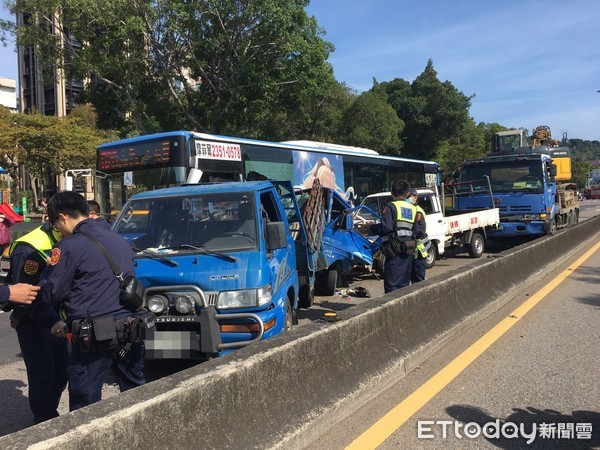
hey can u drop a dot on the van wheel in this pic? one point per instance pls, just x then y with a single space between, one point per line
431 256
289 317
477 246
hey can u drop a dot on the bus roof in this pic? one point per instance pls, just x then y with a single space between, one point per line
291 145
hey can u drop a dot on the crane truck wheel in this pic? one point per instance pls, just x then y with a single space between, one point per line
477 246
431 256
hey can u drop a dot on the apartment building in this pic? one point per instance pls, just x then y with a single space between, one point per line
49 94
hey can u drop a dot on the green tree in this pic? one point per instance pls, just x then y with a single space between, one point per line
432 111
46 145
467 143
370 122
579 172
212 66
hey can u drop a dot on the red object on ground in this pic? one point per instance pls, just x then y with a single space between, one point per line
8 211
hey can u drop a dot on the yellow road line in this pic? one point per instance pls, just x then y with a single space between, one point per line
388 424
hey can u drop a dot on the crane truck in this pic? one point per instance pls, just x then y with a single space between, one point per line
530 178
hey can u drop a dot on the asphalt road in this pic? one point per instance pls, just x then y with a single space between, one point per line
542 370
15 414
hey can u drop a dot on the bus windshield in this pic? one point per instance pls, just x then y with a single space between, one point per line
506 176
215 222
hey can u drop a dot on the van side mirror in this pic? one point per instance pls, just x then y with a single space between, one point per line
553 170
276 236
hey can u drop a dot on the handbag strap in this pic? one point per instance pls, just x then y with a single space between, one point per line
109 259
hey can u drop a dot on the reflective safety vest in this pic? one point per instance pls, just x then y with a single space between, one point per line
38 238
423 244
406 214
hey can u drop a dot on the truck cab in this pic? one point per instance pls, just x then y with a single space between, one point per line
526 190
219 264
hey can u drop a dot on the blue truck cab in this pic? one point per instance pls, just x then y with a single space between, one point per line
526 192
222 264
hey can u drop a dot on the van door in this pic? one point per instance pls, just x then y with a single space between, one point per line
430 203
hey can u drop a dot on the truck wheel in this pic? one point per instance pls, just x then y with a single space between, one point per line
330 285
431 256
553 227
570 219
306 294
477 246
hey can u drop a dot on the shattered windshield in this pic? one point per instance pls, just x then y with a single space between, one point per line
202 223
509 176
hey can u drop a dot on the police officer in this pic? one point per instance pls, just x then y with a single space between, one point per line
398 219
45 356
81 281
94 213
422 240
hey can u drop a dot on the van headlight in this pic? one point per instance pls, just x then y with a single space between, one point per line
157 304
185 304
245 298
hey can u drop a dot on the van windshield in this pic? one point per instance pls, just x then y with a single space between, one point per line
216 222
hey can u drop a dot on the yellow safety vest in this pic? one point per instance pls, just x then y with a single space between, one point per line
38 239
423 244
406 215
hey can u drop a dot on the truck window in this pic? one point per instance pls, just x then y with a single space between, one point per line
217 221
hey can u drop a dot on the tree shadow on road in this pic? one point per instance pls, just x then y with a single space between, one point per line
569 429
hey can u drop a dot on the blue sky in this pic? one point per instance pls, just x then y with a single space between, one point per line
528 62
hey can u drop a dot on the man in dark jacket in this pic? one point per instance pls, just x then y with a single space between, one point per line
96 214
81 281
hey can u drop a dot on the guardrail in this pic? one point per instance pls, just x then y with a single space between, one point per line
276 390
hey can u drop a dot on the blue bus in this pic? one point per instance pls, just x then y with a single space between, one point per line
174 158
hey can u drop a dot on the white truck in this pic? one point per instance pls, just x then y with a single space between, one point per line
446 228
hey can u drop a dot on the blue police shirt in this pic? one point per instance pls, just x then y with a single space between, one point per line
79 278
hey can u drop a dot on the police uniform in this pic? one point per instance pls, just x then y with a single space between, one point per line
398 217
422 247
81 281
4 295
45 356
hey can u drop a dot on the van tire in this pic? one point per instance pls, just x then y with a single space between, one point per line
288 322
431 256
477 245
